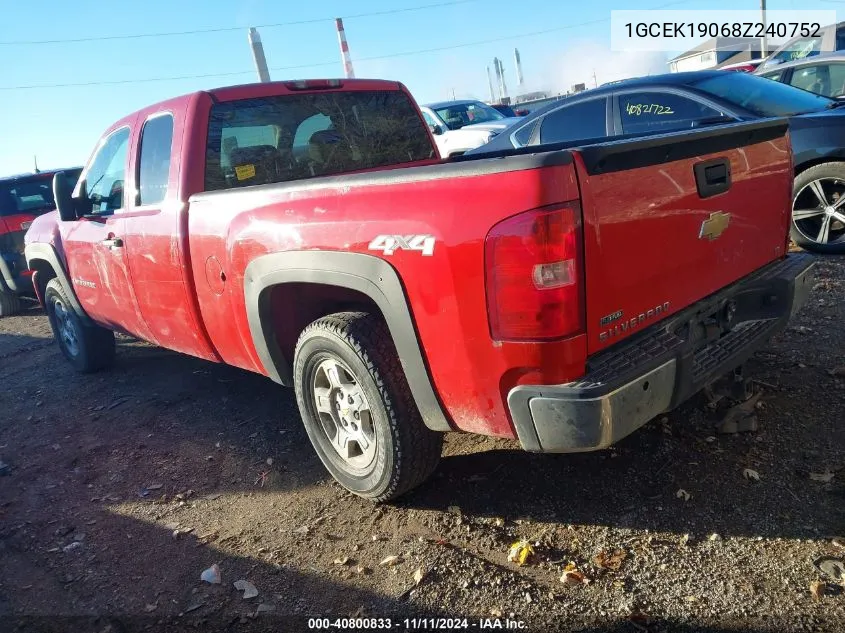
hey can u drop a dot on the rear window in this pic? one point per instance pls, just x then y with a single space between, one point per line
761 96
32 195
293 137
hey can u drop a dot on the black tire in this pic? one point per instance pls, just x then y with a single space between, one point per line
406 452
92 347
10 303
805 231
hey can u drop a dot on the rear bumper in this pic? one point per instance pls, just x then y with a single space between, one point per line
657 370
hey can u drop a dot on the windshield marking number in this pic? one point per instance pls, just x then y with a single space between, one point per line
636 109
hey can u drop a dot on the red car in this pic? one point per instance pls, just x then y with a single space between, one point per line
308 231
22 198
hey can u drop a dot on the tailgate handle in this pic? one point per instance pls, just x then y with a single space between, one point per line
712 176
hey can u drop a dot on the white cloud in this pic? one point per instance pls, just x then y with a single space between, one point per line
577 62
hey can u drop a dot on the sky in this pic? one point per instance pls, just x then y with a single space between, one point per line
560 43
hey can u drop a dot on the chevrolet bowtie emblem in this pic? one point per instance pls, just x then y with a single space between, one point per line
714 226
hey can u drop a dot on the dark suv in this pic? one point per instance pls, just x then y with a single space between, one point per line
22 198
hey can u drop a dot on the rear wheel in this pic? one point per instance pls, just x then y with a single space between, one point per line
87 347
357 407
818 208
10 303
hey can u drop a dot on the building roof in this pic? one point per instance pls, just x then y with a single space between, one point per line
736 44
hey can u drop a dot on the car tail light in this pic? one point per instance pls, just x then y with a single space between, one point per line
533 267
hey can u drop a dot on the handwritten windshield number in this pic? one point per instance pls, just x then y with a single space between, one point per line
637 109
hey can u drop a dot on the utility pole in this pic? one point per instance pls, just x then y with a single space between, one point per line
35 159
763 20
344 49
258 55
595 81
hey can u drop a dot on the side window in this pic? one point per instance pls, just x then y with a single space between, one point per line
104 178
154 170
823 79
644 112
429 121
523 136
776 76
840 39
587 119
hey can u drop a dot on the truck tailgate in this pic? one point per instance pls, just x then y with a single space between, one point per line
669 220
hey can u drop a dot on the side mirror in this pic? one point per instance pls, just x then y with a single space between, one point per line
62 192
436 130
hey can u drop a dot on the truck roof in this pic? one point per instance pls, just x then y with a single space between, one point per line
267 89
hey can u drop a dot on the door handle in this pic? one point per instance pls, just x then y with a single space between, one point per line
712 176
113 242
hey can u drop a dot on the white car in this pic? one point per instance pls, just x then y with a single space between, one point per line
459 126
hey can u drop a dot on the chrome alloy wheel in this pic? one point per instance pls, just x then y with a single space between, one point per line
344 413
66 326
818 211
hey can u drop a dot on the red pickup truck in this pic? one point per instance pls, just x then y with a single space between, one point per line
308 231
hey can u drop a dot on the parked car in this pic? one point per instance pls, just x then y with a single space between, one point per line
823 74
459 126
508 111
831 38
22 199
402 296
679 101
748 66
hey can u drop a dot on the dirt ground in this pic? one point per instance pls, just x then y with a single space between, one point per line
120 488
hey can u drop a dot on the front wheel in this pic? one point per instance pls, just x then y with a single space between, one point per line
357 407
818 208
87 347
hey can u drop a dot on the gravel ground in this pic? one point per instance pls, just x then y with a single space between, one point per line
120 488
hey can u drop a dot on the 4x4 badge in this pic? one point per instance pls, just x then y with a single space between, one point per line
714 226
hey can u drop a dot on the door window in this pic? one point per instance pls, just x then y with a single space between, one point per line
775 76
587 119
104 178
154 170
644 112
823 79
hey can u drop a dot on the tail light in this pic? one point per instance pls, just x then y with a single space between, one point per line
533 267
313 84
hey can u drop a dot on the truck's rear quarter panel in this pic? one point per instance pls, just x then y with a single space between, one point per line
457 204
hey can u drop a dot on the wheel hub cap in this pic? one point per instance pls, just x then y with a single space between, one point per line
344 413
66 328
818 211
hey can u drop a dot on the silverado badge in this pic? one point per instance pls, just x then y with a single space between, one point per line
714 226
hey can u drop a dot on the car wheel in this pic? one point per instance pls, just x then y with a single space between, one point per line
818 208
10 303
87 347
357 407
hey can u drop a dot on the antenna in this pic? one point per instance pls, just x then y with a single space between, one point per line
35 159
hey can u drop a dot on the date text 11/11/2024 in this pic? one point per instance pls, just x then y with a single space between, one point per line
415 624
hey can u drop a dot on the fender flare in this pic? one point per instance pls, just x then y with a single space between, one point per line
47 253
367 274
7 280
